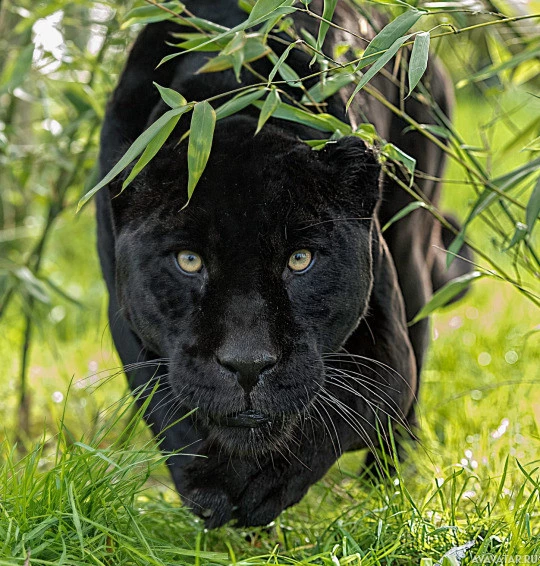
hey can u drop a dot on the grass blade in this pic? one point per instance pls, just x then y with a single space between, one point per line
76 518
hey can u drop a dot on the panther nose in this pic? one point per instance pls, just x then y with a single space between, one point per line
247 367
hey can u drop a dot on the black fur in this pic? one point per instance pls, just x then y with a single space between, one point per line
327 352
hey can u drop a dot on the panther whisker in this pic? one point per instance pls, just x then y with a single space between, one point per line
334 220
352 412
162 403
347 357
372 388
172 410
118 370
400 418
326 430
350 421
306 412
362 380
357 364
359 429
340 355
381 429
338 451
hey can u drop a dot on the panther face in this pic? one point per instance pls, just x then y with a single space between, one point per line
266 269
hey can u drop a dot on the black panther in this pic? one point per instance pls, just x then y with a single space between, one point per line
271 304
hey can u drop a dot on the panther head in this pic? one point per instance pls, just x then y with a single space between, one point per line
243 291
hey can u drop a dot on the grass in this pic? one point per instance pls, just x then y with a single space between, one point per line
93 490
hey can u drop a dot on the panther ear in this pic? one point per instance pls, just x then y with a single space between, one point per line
358 169
123 203
132 204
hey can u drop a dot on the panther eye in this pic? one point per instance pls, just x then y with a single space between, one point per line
189 262
300 260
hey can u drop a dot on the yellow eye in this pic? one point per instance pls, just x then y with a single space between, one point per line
190 262
300 260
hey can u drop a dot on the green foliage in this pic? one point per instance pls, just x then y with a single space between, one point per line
419 59
203 122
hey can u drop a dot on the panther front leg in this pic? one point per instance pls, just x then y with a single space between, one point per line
253 492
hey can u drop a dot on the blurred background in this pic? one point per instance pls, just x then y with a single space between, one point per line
59 61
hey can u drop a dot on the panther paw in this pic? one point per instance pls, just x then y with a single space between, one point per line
210 504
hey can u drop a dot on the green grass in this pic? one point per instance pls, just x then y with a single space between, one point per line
89 493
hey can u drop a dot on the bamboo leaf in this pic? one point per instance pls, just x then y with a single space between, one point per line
171 97
321 122
262 9
16 73
154 146
439 131
236 44
505 183
511 179
238 103
404 212
378 65
328 14
533 145
393 152
533 207
246 5
228 32
492 70
235 50
519 234
322 91
419 59
201 23
152 14
389 35
201 135
455 246
278 62
446 294
268 108
366 132
135 149
200 43
253 49
31 284
287 73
